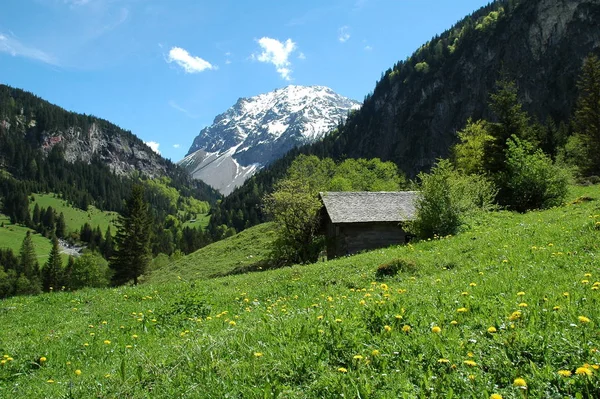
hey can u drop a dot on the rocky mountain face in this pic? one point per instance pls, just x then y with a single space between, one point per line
416 109
258 130
81 137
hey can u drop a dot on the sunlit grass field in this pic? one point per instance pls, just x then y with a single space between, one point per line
11 236
510 307
220 258
74 217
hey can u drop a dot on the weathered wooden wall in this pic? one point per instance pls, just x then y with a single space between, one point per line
349 238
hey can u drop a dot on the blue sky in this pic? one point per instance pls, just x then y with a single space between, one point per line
165 68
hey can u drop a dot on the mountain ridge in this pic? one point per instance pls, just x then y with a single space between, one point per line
257 130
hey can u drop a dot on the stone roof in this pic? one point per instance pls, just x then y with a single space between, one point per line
362 207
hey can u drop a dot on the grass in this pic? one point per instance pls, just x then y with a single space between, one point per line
224 257
74 217
11 236
515 298
201 222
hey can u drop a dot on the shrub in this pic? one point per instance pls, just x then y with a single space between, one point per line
395 266
447 197
531 180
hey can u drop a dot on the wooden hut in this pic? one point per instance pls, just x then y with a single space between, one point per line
357 221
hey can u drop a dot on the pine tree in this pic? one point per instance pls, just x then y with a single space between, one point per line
133 240
36 215
108 245
587 114
28 264
52 272
61 226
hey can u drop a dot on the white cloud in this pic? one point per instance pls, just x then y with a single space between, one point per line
343 34
176 145
368 48
153 145
278 54
187 61
12 46
301 56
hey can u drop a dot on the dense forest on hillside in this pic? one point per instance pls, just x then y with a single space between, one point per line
29 164
418 106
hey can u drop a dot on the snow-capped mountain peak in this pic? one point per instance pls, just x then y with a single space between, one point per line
258 130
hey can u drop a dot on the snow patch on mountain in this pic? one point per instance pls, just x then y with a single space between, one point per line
258 130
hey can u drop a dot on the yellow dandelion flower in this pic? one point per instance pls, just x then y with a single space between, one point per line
106 342
78 372
596 366
473 285
384 287
258 354
564 373
128 346
320 317
9 359
338 320
342 370
556 308
522 305
585 281
357 357
470 354
495 396
454 322
387 328
515 315
398 317
583 371
232 323
520 293
43 359
3 362
470 363
565 294
461 310
106 375
491 330
583 319
375 352
406 328
442 360
134 336
464 293
520 382
587 275
50 381
436 330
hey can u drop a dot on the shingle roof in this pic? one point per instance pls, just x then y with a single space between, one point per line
360 207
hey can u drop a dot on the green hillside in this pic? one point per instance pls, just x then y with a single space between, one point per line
74 217
220 258
509 307
11 236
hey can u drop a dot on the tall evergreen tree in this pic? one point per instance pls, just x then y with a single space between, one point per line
61 226
52 272
133 240
36 215
28 264
587 115
108 245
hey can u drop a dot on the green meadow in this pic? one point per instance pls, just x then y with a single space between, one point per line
238 253
509 308
74 217
11 236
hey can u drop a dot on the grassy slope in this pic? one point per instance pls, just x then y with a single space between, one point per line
200 223
222 257
11 236
75 218
319 331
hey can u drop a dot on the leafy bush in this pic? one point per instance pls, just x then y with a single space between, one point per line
395 266
447 197
531 180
